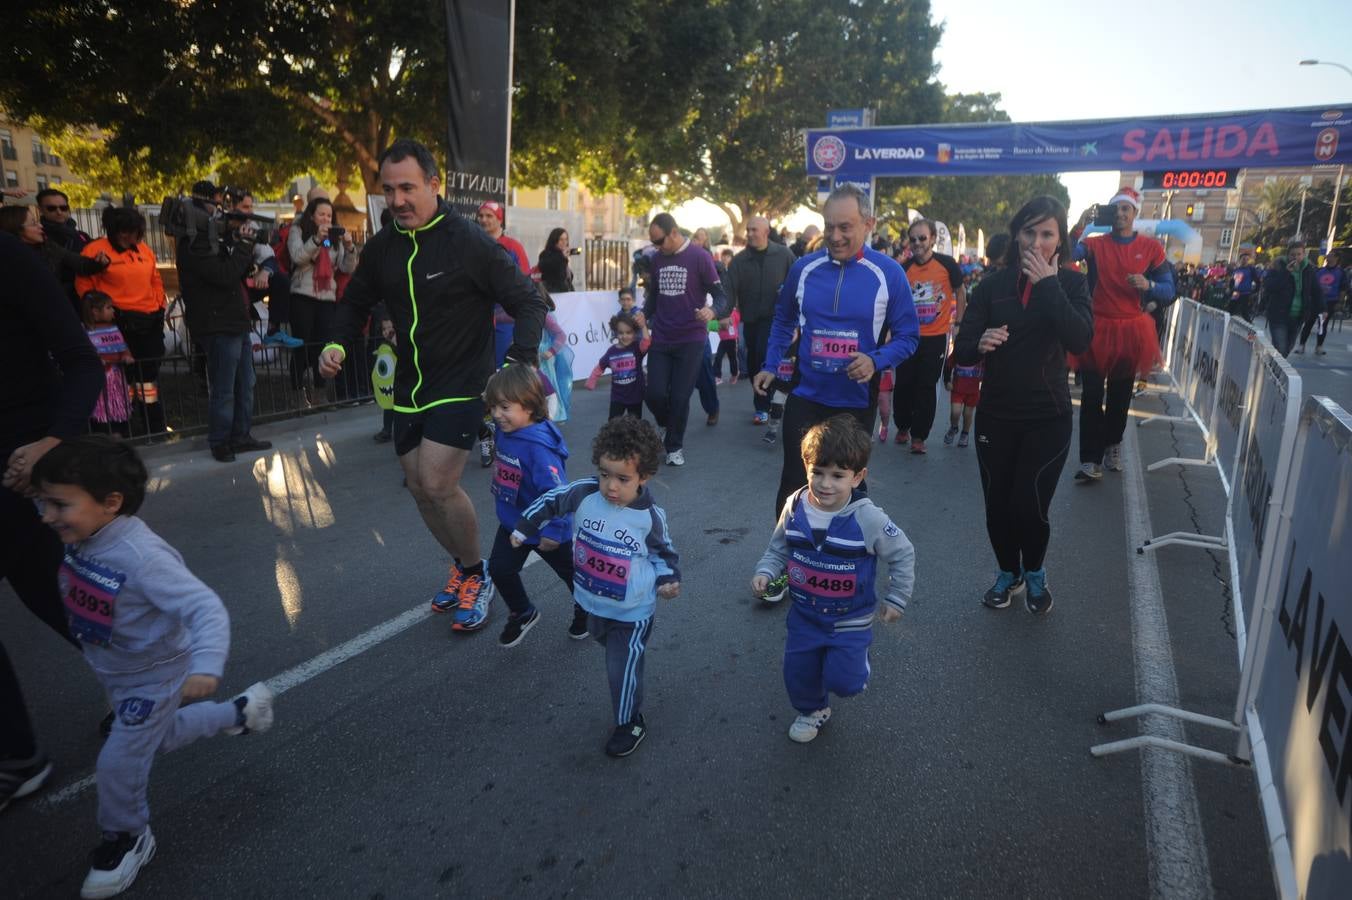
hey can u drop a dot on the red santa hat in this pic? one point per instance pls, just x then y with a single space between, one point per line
1127 195
496 209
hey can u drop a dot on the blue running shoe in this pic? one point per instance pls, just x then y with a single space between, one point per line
1038 599
1007 586
448 598
476 593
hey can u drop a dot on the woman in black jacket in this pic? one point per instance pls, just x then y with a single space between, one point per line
1019 324
553 263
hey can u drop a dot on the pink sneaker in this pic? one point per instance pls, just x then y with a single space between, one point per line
882 434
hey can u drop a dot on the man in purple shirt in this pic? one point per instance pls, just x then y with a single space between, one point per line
674 306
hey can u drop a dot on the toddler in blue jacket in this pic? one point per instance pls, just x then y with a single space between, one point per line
530 457
624 559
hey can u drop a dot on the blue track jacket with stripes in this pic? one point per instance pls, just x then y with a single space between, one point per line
620 554
861 305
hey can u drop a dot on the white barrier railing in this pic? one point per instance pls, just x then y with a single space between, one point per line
1287 474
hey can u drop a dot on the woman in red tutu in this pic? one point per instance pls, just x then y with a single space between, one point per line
1129 278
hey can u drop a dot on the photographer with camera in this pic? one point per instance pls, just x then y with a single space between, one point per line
212 263
319 249
1129 278
553 262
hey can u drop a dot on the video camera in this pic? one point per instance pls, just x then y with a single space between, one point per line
188 217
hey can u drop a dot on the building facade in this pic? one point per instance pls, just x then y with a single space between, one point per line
28 164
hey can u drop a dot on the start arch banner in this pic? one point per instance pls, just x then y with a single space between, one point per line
1309 136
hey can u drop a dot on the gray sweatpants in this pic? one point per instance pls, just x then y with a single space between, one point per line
625 643
147 719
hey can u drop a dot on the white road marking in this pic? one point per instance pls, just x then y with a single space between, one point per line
1175 847
298 675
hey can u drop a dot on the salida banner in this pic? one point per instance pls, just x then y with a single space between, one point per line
1285 137
479 64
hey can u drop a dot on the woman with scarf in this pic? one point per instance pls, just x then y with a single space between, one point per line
319 250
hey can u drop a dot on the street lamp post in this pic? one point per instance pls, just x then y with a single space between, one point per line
1337 184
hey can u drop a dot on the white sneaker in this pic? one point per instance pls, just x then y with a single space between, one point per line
116 863
1089 473
256 704
1112 457
805 728
676 458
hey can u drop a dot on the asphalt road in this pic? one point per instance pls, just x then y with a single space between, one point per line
433 764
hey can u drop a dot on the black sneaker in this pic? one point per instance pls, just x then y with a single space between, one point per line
1007 586
249 444
222 453
114 864
578 630
21 777
517 626
626 738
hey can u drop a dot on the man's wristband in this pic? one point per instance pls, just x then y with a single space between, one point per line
338 347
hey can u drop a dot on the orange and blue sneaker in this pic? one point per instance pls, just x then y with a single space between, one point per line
476 593
448 598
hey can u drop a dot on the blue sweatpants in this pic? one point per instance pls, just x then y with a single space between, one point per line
147 720
819 660
625 643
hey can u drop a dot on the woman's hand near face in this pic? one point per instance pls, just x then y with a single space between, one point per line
1035 265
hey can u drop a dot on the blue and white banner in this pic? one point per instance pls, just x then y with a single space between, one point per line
1317 135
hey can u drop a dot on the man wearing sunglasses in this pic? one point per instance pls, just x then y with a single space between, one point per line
682 276
54 211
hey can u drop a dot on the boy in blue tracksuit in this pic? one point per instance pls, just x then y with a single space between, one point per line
831 540
624 559
529 461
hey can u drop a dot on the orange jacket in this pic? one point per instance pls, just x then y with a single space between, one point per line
131 279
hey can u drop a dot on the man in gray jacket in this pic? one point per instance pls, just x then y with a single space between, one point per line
753 284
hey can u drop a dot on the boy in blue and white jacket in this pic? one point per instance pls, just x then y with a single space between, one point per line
624 559
153 633
833 541
529 460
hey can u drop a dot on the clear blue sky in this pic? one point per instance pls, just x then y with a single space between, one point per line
1058 60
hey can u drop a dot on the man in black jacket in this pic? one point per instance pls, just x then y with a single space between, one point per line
753 284
216 310
439 275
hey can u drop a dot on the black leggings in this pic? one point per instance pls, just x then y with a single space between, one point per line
914 395
799 416
1021 463
506 561
726 348
625 409
313 322
1311 321
1102 426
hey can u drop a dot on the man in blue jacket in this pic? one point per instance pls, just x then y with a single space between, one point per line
853 308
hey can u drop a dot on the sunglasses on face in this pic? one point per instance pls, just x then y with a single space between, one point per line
919 240
62 208
659 241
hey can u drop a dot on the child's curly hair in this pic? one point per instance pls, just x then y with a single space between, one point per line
626 437
98 465
839 441
518 384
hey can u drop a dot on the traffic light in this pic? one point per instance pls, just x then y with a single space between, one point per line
1189 209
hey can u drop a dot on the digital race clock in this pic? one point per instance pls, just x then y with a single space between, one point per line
1189 179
